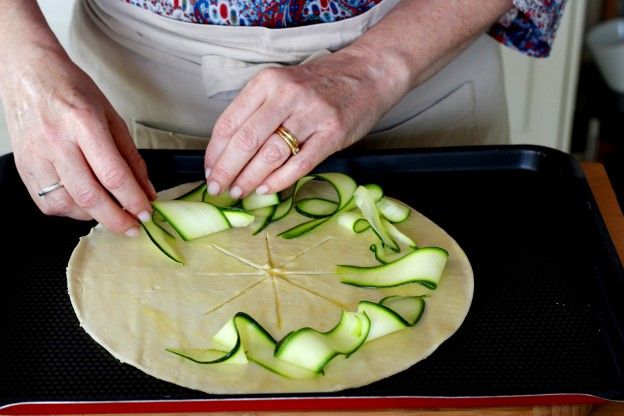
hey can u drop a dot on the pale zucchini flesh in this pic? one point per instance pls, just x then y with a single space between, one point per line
392 210
194 194
223 200
192 219
164 241
366 204
256 201
237 217
424 266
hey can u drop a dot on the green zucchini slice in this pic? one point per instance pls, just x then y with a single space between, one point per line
302 228
195 194
237 217
255 201
410 308
245 339
366 204
313 350
392 210
304 353
282 209
316 207
223 200
164 241
383 256
192 219
263 217
423 266
383 320
396 234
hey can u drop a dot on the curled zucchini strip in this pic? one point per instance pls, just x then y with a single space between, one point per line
366 203
392 210
164 241
385 257
353 222
424 266
344 186
192 219
304 353
313 350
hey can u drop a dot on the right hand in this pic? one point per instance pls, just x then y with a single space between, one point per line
62 128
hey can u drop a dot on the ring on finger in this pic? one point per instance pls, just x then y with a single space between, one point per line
289 138
44 191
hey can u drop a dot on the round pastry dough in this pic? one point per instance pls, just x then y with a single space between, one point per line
136 302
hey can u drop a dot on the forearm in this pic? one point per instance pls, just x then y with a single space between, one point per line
25 39
419 37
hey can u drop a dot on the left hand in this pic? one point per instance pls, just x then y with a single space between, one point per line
328 104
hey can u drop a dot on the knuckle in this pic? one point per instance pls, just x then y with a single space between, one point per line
245 141
281 182
219 173
82 113
300 88
246 182
304 165
114 178
273 153
224 127
336 123
117 224
87 198
135 204
60 205
268 75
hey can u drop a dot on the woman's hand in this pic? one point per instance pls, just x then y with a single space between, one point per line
327 104
333 101
63 129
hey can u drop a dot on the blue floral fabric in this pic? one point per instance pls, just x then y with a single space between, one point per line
529 27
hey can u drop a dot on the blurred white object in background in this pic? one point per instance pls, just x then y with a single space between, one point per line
606 42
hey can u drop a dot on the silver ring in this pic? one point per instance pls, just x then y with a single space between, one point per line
49 189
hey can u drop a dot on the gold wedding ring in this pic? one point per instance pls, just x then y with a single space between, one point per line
289 138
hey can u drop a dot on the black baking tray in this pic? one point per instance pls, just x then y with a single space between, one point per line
547 318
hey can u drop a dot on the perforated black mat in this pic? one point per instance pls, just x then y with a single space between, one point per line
547 315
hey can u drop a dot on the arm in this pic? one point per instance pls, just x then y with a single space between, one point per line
62 128
334 101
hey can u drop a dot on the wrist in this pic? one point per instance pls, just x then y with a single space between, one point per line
26 41
386 72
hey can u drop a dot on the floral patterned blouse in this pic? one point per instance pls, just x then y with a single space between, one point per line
529 27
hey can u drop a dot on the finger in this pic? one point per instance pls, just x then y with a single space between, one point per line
58 202
273 154
112 171
244 145
128 151
89 195
247 102
313 152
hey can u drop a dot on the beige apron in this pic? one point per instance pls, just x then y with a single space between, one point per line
170 80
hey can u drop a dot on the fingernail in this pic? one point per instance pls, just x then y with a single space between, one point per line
133 232
262 189
236 192
208 170
214 188
145 216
